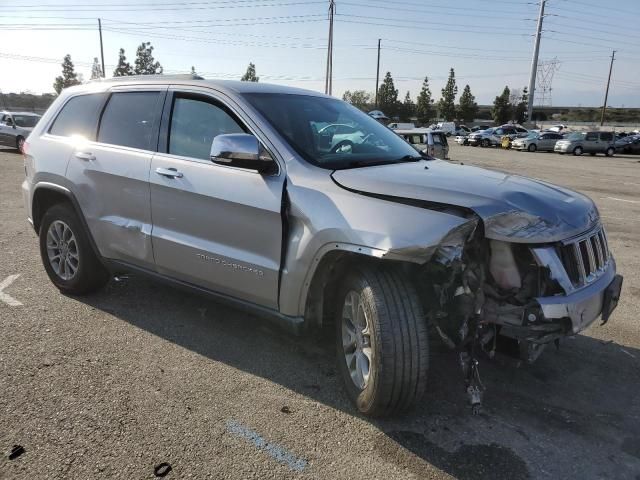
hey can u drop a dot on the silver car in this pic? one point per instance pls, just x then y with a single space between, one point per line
225 188
15 127
432 142
587 142
542 141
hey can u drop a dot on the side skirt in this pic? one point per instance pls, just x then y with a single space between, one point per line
293 325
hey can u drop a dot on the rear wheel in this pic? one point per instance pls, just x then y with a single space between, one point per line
610 151
532 147
20 144
66 253
577 151
381 341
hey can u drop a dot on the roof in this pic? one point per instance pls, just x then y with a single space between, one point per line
236 86
409 131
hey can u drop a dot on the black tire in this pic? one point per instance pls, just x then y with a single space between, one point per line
398 341
20 144
578 151
90 274
592 154
610 151
485 142
532 147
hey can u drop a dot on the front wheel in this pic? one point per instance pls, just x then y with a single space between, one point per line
485 142
381 341
532 147
610 151
66 253
577 151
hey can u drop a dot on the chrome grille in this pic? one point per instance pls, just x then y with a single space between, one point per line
585 257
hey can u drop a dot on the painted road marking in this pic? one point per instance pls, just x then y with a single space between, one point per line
620 200
278 453
5 297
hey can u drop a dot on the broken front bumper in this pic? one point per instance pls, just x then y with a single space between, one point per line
585 305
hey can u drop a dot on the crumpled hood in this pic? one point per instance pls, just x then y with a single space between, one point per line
513 208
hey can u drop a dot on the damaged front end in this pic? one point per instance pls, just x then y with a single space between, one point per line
497 297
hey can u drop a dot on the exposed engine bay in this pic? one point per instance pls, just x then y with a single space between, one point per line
480 297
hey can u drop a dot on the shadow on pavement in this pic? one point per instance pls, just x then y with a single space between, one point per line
575 413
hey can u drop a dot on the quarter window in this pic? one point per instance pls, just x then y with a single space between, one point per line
78 117
591 137
606 136
195 123
128 120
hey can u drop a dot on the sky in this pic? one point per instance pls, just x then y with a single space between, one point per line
489 43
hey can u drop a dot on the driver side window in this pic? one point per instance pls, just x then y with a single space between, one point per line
195 122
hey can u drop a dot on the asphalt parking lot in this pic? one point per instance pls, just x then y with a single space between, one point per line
111 385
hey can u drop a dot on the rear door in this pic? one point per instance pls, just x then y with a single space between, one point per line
112 174
592 142
214 226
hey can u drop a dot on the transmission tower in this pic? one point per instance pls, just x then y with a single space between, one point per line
544 81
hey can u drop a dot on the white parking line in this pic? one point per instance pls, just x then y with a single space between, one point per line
619 199
278 453
5 297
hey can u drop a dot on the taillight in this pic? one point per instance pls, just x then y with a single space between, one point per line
25 148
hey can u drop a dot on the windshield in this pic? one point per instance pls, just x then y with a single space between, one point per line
576 136
533 135
27 121
331 133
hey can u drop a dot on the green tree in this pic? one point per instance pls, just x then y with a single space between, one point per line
424 107
123 68
250 74
96 69
69 76
358 98
501 111
408 107
447 104
468 108
388 96
145 64
520 108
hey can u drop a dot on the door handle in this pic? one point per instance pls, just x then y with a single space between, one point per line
85 156
169 172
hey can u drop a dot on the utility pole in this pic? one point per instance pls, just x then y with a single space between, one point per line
606 94
534 62
101 49
328 84
378 73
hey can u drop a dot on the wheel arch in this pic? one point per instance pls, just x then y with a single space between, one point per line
46 195
329 266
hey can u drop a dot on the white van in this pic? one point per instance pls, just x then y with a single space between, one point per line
432 142
403 126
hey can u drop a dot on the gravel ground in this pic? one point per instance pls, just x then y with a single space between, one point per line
111 385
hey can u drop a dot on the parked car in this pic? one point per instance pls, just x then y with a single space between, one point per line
447 127
542 141
462 139
587 142
628 144
222 187
478 128
431 142
492 137
401 126
15 127
557 128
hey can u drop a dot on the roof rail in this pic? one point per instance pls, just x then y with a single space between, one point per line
178 76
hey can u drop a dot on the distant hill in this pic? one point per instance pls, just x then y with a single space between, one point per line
26 101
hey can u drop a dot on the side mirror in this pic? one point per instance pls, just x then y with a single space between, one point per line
241 150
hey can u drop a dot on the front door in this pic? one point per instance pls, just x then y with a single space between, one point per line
214 226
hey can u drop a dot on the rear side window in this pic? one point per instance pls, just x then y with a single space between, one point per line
591 137
606 136
128 120
79 116
195 122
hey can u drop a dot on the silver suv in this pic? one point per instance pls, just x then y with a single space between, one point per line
230 188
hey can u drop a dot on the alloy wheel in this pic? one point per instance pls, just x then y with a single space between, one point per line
356 339
62 250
